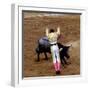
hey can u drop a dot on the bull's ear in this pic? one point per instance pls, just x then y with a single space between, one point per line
60 49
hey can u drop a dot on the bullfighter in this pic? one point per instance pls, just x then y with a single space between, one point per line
52 37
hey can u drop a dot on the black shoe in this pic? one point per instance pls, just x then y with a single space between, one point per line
57 72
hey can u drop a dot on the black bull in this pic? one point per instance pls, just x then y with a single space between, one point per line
44 47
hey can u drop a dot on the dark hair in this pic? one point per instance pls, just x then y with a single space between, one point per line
51 30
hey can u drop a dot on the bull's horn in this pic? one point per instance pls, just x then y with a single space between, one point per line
69 45
60 49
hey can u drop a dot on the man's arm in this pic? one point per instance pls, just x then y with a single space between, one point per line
47 32
58 30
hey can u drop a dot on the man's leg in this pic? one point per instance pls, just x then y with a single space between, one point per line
54 61
58 61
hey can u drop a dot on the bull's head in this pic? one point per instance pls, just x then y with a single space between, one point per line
65 51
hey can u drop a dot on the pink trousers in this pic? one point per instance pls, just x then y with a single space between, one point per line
56 57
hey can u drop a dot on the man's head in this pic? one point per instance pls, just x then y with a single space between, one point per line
51 31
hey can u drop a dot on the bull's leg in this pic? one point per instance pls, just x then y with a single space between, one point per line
67 56
65 62
38 53
62 62
38 59
46 58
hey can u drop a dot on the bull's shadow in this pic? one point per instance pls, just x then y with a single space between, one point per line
44 47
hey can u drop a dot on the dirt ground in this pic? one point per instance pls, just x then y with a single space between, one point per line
34 25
